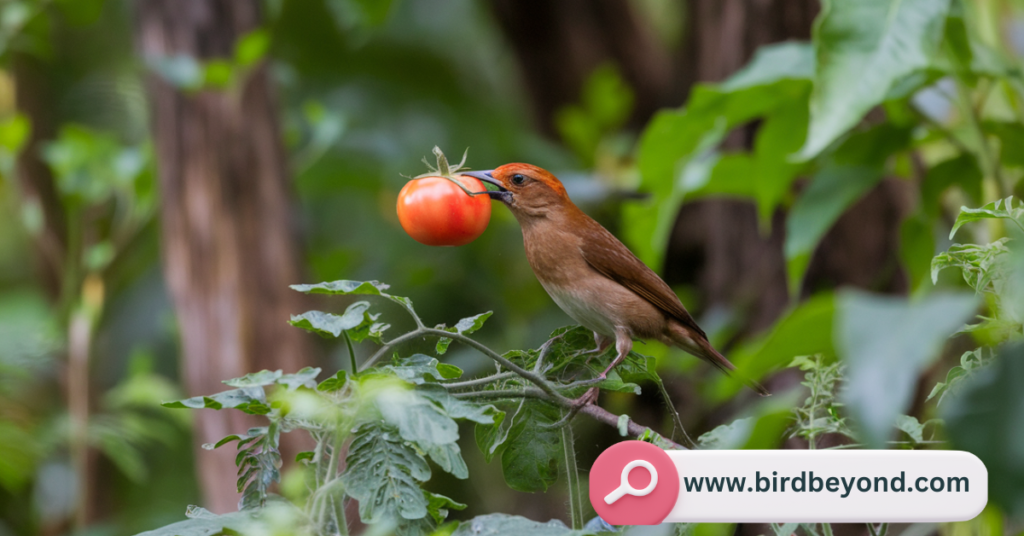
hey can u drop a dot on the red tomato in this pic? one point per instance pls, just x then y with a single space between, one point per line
436 212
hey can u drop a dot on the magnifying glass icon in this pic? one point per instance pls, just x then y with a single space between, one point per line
624 487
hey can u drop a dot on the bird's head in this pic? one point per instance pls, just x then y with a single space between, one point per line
527 190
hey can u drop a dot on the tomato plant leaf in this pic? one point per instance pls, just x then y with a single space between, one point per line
530 458
1000 208
384 474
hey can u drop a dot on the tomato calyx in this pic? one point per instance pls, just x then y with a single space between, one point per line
446 171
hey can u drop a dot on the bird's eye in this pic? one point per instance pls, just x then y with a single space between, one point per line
518 179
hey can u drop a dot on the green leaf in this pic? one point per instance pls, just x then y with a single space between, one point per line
327 324
506 525
1011 139
416 417
383 473
886 343
464 327
917 246
912 427
334 383
252 47
490 438
344 288
1000 209
806 329
207 524
970 363
255 379
790 60
863 48
728 436
438 506
849 173
449 459
251 400
460 409
978 264
984 419
420 368
530 458
303 378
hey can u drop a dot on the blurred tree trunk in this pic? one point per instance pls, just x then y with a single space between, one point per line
559 44
229 250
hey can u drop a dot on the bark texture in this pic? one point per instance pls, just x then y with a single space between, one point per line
559 44
229 251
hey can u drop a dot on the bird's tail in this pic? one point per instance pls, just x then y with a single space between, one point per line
699 346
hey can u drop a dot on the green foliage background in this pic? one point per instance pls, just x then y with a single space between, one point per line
926 91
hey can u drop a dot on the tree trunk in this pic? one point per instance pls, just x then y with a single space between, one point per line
229 250
560 43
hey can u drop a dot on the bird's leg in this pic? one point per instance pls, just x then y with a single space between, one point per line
623 345
601 344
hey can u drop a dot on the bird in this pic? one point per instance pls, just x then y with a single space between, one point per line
591 274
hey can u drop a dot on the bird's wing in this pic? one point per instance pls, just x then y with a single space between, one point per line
612 259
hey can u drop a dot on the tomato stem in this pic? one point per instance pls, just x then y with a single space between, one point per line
444 170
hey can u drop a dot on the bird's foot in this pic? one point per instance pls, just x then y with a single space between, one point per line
587 398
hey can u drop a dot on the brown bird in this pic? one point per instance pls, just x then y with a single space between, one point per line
593 276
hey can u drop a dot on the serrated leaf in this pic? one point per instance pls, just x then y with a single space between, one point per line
530 459
251 400
1000 208
912 427
335 382
383 473
416 418
344 287
490 438
420 368
449 459
255 379
457 408
863 48
438 505
464 327
505 525
331 325
303 378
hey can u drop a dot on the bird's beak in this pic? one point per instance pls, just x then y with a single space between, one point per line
502 194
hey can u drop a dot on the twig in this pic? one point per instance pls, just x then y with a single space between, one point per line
529 392
632 428
479 381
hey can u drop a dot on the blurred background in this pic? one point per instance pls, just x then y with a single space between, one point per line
169 167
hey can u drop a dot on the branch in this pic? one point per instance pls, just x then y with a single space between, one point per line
636 430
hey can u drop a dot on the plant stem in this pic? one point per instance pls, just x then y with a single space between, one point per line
572 479
351 353
826 529
528 392
479 381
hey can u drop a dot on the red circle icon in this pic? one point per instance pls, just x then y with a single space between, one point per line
633 483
